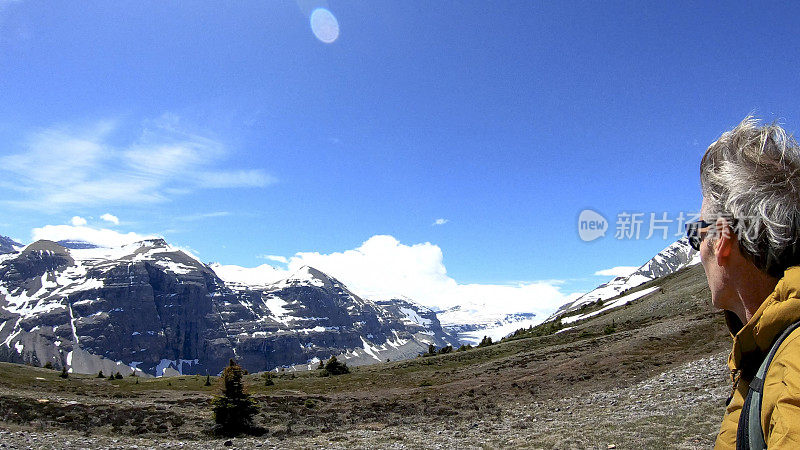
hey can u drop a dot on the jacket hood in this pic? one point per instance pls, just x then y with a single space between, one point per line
780 309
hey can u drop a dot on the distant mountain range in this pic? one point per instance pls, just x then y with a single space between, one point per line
153 308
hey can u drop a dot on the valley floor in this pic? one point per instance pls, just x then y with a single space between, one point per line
680 408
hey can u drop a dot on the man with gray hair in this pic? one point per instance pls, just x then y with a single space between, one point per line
749 243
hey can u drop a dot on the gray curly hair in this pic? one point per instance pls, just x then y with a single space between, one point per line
751 175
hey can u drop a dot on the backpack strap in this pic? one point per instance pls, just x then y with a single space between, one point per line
750 434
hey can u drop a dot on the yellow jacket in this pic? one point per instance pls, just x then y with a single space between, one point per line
780 410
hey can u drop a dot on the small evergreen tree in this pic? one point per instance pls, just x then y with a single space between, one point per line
486 341
64 373
208 381
234 409
268 378
118 376
334 367
48 365
321 365
100 374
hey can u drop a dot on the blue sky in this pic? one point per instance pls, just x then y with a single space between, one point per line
229 128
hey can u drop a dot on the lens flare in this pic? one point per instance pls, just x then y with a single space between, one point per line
324 25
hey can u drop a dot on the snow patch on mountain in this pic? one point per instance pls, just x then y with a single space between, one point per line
616 303
413 317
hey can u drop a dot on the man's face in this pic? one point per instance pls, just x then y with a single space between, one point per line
717 275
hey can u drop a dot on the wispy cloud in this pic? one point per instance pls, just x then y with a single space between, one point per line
234 179
69 166
439 222
619 271
5 3
276 258
201 216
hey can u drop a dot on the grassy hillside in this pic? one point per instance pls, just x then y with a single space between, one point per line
467 396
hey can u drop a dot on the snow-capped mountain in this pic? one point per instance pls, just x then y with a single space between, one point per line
7 245
152 307
673 258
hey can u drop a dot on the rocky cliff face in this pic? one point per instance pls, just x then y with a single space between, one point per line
153 308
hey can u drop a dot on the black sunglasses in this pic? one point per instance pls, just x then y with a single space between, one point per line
694 231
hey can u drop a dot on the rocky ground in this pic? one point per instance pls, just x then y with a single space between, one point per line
679 408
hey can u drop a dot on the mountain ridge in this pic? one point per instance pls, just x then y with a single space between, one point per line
155 309
671 259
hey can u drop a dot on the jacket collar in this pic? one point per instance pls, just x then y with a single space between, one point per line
779 310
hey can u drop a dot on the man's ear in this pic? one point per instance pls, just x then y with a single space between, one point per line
724 240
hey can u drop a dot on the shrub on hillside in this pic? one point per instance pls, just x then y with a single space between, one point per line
431 350
334 367
486 341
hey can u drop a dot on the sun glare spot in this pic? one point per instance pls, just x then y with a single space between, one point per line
324 25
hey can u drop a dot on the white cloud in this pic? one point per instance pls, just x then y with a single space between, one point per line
382 267
110 218
102 237
440 222
78 221
276 258
64 166
619 271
